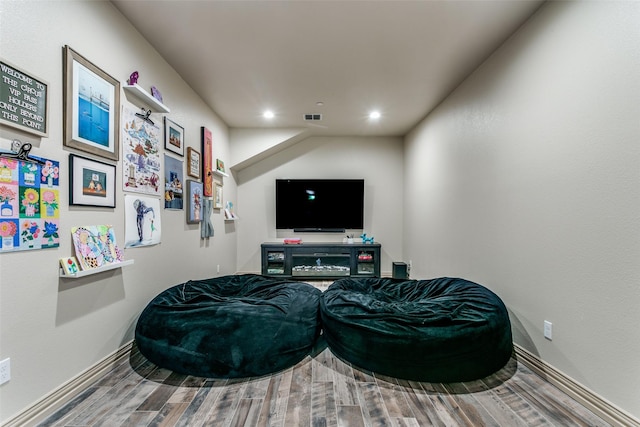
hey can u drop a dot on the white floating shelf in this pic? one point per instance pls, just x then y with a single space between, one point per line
217 172
144 96
96 270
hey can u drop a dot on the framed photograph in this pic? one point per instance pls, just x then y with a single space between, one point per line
194 192
24 100
91 107
91 183
193 163
207 163
220 166
217 196
173 137
173 182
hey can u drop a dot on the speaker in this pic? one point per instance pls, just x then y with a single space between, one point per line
399 270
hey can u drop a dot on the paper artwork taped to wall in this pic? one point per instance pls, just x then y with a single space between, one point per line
142 221
140 154
29 205
95 246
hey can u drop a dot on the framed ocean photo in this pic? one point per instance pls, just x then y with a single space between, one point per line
91 107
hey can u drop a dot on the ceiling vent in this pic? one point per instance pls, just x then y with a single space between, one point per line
313 117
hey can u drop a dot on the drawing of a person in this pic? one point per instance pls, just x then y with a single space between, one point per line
141 210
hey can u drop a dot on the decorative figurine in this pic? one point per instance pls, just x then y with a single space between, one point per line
366 239
156 93
133 78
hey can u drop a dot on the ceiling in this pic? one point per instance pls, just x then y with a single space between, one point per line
401 58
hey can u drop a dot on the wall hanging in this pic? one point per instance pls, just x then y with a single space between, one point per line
91 107
140 154
29 203
194 192
92 183
173 183
173 137
24 100
207 164
193 163
142 221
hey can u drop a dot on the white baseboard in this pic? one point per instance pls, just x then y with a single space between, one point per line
596 404
53 401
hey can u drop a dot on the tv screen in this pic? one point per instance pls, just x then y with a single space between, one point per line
329 205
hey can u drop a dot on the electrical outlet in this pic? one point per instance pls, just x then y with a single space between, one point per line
548 330
5 370
218 268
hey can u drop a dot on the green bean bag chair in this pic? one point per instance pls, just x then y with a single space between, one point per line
231 326
439 330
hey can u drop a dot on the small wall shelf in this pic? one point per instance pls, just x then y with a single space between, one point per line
217 172
96 270
137 92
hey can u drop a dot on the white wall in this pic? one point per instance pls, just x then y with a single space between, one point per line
527 179
377 160
53 329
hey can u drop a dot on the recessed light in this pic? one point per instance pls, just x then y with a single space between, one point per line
374 115
268 114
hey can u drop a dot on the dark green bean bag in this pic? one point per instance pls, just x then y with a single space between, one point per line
438 330
231 326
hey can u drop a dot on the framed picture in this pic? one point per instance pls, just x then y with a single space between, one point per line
220 166
173 137
24 100
207 164
217 196
91 107
173 183
193 163
194 192
91 183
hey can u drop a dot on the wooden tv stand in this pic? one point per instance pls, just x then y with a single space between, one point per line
321 260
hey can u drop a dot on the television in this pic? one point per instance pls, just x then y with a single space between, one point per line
319 205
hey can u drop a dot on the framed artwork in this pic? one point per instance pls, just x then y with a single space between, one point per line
217 196
207 164
141 159
220 166
24 100
194 191
91 183
142 221
173 137
91 107
173 183
193 163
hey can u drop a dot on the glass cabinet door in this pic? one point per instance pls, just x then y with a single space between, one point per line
275 262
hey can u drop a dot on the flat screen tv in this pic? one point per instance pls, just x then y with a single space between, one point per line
322 205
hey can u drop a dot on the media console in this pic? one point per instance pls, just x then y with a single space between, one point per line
321 260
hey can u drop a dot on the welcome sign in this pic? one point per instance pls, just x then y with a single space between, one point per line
23 100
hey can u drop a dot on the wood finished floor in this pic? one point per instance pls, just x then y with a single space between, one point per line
319 391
